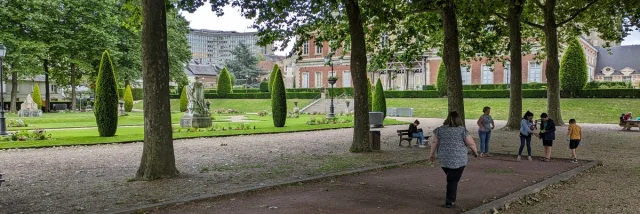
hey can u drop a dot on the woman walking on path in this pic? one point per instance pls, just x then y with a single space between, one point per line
485 122
451 141
526 130
548 135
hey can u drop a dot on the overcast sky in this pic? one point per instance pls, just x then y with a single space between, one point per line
204 18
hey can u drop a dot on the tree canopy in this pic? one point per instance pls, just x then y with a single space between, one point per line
244 65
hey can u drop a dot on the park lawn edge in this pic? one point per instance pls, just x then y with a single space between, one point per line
140 137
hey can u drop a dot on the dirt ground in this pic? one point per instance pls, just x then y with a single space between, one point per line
418 188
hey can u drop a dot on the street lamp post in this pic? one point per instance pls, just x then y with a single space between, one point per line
3 126
332 80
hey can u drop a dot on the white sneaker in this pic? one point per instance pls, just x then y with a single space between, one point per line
529 158
422 146
518 158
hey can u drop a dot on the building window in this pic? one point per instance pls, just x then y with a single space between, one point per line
466 75
318 49
608 79
507 72
346 79
590 69
318 80
54 89
305 48
487 75
535 72
305 80
626 78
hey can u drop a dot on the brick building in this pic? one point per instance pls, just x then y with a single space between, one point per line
311 71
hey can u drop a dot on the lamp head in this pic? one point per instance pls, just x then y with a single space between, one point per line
3 50
326 60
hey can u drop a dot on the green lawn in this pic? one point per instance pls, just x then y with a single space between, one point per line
128 134
79 119
583 110
243 105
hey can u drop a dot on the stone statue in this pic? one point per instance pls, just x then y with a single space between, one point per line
197 114
29 108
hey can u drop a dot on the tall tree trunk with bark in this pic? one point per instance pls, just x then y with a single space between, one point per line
158 159
552 70
47 94
515 49
359 72
73 86
451 57
14 91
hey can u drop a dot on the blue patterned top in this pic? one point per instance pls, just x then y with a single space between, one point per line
452 151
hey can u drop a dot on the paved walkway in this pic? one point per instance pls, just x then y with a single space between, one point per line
412 189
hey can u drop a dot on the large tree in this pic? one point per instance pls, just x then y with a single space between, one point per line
244 64
158 159
610 19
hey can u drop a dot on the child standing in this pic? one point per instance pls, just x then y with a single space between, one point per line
548 135
575 136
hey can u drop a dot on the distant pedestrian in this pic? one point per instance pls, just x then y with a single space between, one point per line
451 141
526 130
575 136
415 132
548 135
485 124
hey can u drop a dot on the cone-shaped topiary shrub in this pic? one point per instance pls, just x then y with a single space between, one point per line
370 93
573 68
264 86
128 99
278 100
184 101
272 76
224 83
37 98
379 101
106 98
441 82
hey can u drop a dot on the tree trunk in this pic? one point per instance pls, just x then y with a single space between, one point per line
359 72
73 86
47 95
158 159
552 70
515 49
14 91
451 58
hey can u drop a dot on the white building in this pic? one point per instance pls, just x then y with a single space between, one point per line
213 47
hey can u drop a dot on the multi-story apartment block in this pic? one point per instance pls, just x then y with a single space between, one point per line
213 47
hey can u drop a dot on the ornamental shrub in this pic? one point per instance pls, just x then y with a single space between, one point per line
128 99
264 86
370 104
278 100
441 82
573 68
37 98
272 76
184 100
106 98
224 83
379 101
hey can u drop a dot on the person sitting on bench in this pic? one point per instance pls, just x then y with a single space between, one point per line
417 133
627 117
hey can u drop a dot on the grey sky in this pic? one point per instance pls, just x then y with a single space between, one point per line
204 18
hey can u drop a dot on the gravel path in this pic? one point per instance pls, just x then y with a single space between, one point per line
93 179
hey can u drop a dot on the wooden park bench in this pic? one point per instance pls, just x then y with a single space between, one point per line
404 135
627 125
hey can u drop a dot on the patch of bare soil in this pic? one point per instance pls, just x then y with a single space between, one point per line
418 188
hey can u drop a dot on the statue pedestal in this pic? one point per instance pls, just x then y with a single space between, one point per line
195 121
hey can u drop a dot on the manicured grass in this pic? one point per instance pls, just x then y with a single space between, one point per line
583 110
79 119
90 136
243 105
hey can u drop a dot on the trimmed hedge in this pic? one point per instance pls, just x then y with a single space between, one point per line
573 68
300 95
278 100
184 100
264 86
379 101
106 98
526 93
441 81
428 87
250 90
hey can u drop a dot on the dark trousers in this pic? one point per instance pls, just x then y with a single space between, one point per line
453 177
524 139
